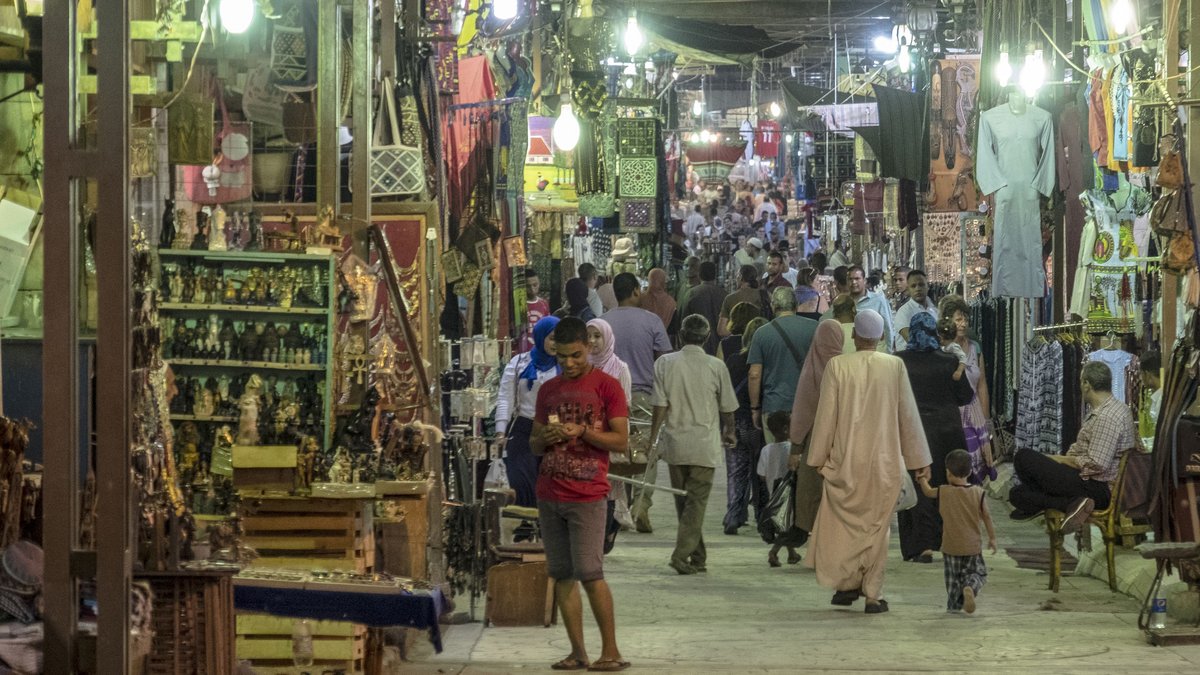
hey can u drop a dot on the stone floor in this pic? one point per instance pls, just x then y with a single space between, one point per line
744 617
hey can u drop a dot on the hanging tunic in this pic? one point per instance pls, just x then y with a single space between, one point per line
1016 162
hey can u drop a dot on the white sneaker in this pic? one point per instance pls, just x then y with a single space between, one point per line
1078 515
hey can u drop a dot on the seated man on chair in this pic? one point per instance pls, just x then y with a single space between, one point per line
1078 482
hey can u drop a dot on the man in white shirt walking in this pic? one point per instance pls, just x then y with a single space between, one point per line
918 301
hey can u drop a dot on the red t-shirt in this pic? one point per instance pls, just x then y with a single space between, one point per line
575 471
535 311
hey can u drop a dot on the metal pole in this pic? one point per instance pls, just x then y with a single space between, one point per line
60 358
114 507
360 177
329 105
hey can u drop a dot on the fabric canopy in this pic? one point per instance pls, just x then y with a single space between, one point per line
714 161
903 145
726 43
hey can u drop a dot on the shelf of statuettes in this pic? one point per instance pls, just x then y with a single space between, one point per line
247 309
271 365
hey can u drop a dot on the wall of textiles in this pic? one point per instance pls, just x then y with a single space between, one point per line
953 118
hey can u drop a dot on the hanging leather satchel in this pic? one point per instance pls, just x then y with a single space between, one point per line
396 168
1167 216
1170 170
1180 255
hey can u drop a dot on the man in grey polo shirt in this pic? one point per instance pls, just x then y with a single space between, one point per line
693 405
776 357
640 338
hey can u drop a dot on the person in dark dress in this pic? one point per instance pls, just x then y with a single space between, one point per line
743 484
742 314
939 396
577 302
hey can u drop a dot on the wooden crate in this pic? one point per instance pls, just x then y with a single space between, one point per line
264 468
266 641
519 594
404 539
308 533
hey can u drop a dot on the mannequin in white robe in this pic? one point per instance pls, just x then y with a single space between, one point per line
1016 162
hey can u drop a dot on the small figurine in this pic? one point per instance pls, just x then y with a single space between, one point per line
328 232
200 241
256 233
340 469
167 234
176 286
248 409
217 240
306 460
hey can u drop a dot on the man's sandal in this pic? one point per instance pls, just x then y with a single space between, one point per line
608 666
570 663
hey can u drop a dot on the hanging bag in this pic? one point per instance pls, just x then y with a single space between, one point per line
908 492
396 168
232 158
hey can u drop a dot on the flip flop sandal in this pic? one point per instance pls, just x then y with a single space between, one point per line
608 666
570 663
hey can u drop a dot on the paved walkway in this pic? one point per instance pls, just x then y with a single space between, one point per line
744 617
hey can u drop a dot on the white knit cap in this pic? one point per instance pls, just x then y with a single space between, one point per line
868 325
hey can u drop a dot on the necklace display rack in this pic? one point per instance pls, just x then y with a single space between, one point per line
467 400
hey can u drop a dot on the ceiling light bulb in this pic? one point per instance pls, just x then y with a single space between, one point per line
633 35
885 45
504 10
236 15
694 138
1004 71
1121 16
629 83
775 109
1033 74
674 74
790 138
566 129
704 136
697 107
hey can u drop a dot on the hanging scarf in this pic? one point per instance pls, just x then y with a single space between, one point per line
539 360
922 333
827 343
607 360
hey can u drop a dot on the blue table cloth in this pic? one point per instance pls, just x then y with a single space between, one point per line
412 610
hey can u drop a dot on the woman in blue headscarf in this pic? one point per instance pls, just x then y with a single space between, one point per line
939 395
516 403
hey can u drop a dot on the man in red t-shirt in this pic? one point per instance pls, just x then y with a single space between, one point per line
536 308
582 415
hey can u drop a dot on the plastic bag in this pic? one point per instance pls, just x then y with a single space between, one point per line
780 513
497 475
908 493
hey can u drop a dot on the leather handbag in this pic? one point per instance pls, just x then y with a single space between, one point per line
396 168
1180 255
1167 216
1170 170
231 155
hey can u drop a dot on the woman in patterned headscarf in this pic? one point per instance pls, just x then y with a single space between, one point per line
516 403
931 375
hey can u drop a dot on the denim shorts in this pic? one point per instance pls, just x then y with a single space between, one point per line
573 536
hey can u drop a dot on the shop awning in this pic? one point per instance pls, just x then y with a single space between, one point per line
712 43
